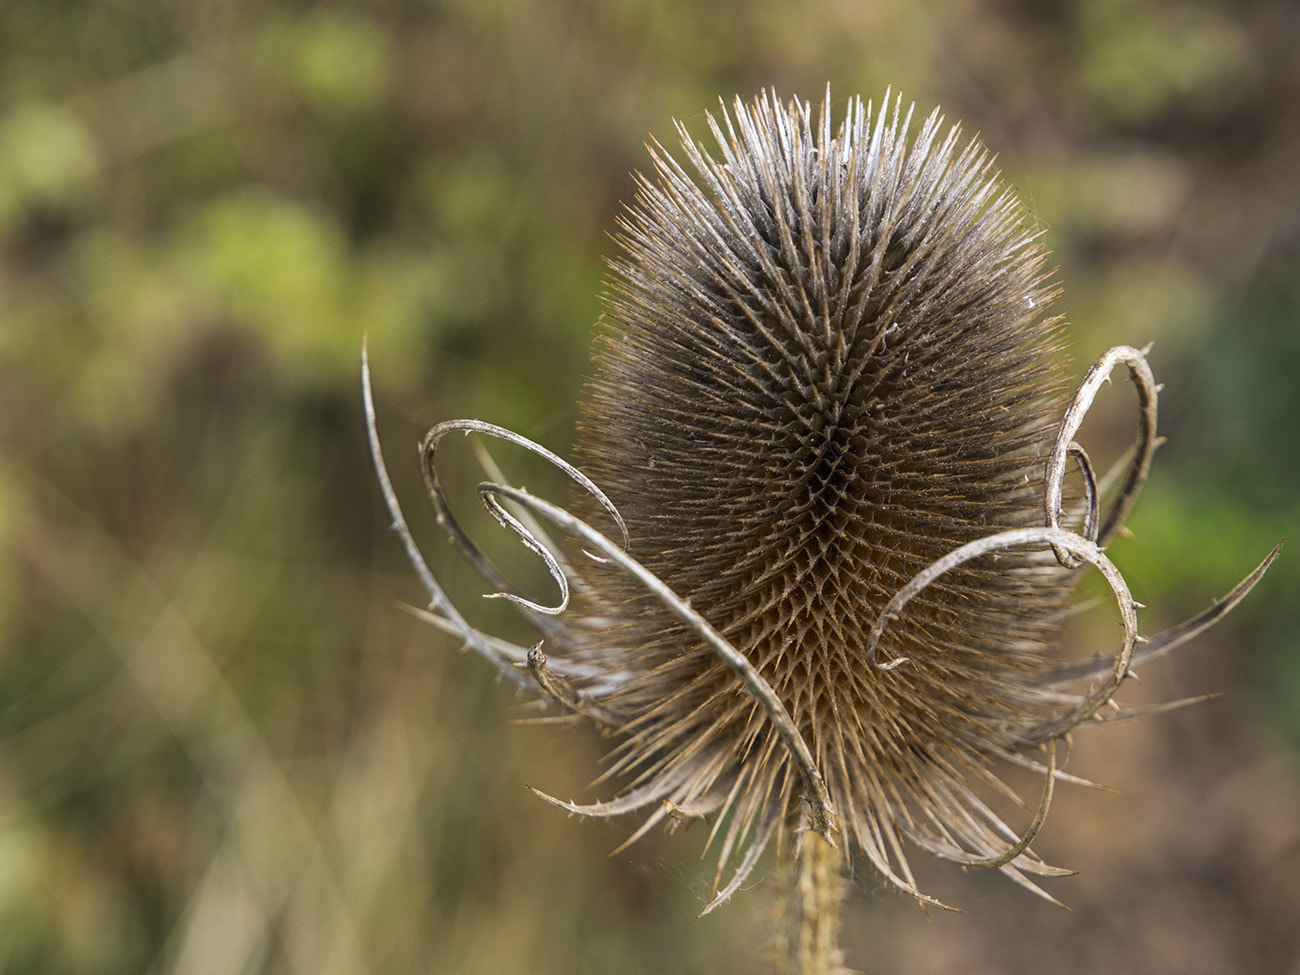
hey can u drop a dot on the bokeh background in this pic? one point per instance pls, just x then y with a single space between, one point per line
225 749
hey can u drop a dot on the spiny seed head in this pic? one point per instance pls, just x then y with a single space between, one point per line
827 364
827 419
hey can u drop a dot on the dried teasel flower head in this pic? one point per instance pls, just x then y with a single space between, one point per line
828 423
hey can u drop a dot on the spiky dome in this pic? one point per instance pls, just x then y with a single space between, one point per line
826 363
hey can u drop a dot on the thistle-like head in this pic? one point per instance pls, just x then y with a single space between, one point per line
829 421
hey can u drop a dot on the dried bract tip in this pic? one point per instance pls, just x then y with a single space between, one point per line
829 415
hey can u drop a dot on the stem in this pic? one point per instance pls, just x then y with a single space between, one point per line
812 910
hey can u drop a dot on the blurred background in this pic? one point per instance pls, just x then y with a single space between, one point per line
225 749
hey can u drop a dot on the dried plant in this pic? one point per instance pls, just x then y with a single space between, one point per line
829 426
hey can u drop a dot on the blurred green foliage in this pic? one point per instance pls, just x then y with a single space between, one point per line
222 749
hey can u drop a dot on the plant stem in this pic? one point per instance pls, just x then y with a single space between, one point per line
812 909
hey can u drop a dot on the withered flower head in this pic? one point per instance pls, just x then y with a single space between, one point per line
829 422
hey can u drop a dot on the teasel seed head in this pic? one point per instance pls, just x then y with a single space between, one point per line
829 362
829 421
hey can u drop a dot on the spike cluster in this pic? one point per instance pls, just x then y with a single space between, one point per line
829 421
828 366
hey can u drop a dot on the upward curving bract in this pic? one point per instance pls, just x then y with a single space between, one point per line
828 414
